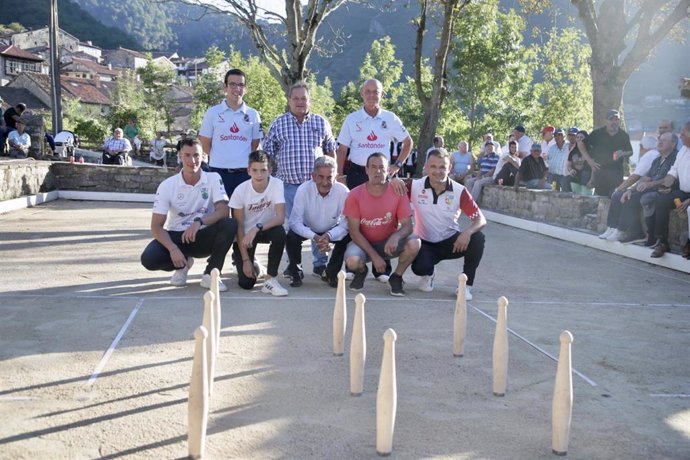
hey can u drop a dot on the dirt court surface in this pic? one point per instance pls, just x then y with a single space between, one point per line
72 284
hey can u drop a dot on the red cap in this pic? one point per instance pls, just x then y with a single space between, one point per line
547 129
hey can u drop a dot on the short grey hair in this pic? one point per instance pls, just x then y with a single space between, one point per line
298 85
324 161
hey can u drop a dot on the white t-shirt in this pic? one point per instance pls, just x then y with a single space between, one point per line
681 169
182 202
436 216
502 161
231 133
524 145
644 164
366 135
258 207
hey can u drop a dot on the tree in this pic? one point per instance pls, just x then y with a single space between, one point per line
208 90
300 25
622 33
156 81
491 72
432 101
565 93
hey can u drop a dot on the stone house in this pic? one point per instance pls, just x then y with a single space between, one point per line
14 60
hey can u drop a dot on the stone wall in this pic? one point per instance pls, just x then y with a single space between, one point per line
25 177
587 213
108 178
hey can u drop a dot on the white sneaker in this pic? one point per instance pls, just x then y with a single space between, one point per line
607 233
179 278
206 283
616 235
426 284
383 278
468 293
273 287
349 276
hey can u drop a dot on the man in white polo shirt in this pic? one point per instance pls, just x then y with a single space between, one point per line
230 131
437 202
191 218
370 130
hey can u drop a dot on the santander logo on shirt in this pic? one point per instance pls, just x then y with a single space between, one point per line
372 144
234 129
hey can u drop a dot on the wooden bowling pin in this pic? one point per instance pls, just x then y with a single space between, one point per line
339 317
386 396
460 318
197 407
215 279
209 324
358 348
562 407
500 352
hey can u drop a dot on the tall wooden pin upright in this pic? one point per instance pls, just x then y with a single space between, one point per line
358 348
215 279
339 317
197 407
500 352
460 318
209 324
386 396
562 406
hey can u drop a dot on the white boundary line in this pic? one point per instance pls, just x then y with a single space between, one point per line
540 350
107 196
27 201
111 348
632 251
676 395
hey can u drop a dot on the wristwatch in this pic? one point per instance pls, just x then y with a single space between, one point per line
198 219
260 226
398 164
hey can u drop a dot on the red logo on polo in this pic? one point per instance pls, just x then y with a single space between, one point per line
234 128
372 137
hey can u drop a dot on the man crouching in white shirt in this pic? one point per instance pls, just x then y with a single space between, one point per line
191 218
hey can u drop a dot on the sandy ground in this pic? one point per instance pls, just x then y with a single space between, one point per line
72 284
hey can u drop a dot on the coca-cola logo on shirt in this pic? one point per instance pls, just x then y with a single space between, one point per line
377 221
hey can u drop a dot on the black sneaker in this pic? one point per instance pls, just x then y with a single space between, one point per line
319 271
332 281
651 242
396 283
288 275
294 274
358 281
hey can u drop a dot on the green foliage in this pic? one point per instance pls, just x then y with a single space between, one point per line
11 28
565 94
321 96
35 14
128 103
491 81
91 131
84 120
156 81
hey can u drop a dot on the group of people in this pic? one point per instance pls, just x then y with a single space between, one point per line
13 132
364 216
659 185
568 160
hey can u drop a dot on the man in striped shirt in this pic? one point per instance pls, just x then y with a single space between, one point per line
295 139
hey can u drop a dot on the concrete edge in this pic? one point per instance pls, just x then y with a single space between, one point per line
27 201
107 196
632 251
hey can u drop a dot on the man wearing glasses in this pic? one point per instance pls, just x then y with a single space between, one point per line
230 131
